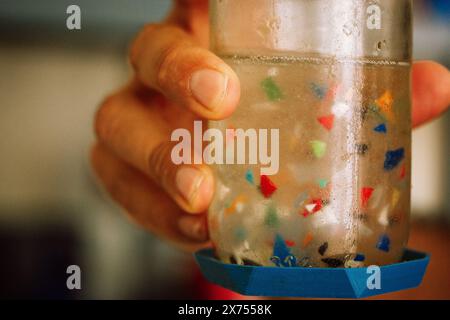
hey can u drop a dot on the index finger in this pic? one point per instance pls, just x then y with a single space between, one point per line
167 59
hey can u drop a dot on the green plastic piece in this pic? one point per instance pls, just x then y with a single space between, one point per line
319 148
271 89
271 219
323 183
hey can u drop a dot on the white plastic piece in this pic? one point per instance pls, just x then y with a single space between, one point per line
383 219
340 109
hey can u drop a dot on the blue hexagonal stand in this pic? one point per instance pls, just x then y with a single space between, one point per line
312 282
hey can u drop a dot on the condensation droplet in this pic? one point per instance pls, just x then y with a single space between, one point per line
381 45
347 30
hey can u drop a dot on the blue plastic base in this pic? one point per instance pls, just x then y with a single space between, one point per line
312 282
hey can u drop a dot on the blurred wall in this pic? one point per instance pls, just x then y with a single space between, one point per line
431 142
51 83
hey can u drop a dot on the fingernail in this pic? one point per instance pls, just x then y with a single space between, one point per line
188 181
193 227
209 87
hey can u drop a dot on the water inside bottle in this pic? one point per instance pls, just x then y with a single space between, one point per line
341 196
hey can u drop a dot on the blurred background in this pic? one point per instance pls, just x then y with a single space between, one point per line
52 213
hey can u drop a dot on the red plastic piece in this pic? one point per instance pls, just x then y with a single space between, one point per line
366 193
318 204
331 94
290 243
317 207
327 122
267 186
402 172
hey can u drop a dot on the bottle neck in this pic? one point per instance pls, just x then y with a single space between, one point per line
367 29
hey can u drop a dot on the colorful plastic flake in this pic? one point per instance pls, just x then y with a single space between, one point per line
319 148
340 109
381 128
393 158
395 197
282 256
307 240
249 176
385 103
271 220
402 172
323 183
384 243
313 207
290 243
359 257
236 205
318 90
267 186
366 193
271 89
327 121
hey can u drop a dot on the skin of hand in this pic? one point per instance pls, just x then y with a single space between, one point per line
176 81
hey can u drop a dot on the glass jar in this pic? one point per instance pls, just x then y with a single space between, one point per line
316 167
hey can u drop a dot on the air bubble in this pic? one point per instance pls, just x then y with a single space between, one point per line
381 45
347 30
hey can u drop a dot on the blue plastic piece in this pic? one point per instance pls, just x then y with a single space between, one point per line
383 243
359 257
393 158
313 282
282 256
319 91
381 128
249 176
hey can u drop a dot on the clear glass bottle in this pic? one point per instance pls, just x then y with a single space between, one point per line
333 77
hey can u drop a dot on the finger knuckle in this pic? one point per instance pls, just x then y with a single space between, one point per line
137 45
168 63
103 123
159 163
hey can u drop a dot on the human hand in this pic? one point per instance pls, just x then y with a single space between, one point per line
169 91
177 80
